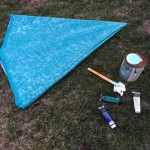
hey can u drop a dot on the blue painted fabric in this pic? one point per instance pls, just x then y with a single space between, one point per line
39 51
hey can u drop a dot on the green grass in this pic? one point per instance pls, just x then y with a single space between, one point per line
66 116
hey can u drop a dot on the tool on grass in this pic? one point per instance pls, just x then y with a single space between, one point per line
136 100
118 87
107 117
110 99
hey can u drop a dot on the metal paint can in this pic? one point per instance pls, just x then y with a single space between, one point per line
132 66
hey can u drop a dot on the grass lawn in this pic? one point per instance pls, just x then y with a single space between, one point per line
66 117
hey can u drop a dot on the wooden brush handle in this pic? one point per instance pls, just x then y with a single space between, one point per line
101 76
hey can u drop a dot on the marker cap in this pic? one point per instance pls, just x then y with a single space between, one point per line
113 126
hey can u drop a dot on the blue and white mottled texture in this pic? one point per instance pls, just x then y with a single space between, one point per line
39 51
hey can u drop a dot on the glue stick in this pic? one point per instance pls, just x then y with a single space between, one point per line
107 117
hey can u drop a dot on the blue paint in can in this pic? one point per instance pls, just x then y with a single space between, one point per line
133 58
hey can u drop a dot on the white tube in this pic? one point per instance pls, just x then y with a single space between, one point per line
137 106
136 100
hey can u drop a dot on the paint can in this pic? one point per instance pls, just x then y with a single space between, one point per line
132 66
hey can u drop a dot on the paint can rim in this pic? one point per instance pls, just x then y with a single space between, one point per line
139 65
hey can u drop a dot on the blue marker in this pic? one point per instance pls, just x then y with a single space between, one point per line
107 117
110 99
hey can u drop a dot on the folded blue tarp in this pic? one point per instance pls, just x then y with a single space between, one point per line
39 51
